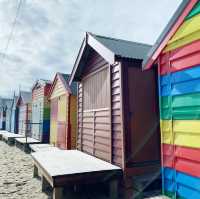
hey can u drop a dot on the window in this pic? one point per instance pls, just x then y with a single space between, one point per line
96 91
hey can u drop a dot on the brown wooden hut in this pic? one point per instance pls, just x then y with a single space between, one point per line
118 118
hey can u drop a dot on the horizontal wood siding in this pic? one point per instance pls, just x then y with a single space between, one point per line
79 115
58 90
116 114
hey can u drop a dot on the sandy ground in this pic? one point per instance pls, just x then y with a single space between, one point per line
16 181
16 177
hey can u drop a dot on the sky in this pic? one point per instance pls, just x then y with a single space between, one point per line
48 33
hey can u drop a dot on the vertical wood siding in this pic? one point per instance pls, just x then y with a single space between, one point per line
96 89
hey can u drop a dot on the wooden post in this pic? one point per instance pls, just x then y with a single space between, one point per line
57 193
113 192
35 171
45 184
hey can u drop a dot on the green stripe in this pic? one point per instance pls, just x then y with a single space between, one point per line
46 114
195 11
183 107
172 195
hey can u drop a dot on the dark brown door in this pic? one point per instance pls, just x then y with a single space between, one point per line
143 120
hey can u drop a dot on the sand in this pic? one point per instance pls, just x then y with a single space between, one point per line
16 171
16 177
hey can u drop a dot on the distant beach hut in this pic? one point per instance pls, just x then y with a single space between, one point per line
41 111
63 112
14 115
24 119
4 108
8 106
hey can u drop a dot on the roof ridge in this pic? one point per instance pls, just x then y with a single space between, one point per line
117 39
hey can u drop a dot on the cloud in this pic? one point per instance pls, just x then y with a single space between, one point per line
48 33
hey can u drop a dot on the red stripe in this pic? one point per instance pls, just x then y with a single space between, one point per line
181 58
182 159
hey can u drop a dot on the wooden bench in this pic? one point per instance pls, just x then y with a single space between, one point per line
42 147
24 143
63 168
1 133
9 138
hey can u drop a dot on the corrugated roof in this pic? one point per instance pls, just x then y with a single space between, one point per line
166 31
124 48
73 85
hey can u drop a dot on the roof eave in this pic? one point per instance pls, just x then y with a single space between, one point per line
175 22
90 40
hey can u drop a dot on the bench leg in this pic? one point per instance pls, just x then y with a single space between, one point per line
57 193
113 189
45 184
35 171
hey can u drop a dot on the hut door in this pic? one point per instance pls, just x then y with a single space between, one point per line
22 119
53 123
62 122
36 118
142 136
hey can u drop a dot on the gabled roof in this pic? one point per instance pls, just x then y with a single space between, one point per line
110 49
14 100
171 28
41 82
64 78
123 48
25 96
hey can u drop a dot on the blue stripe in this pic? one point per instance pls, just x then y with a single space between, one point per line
183 82
186 186
46 126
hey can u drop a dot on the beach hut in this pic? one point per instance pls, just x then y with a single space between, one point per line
4 108
176 55
63 112
41 111
2 115
8 106
24 119
14 115
118 120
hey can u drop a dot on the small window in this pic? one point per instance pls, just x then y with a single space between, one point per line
96 91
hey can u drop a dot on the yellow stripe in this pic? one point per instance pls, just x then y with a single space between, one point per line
188 32
185 132
53 132
73 122
62 108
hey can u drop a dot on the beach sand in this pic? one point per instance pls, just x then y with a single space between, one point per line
16 171
16 177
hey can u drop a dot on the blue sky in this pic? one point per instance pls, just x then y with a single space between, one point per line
48 33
